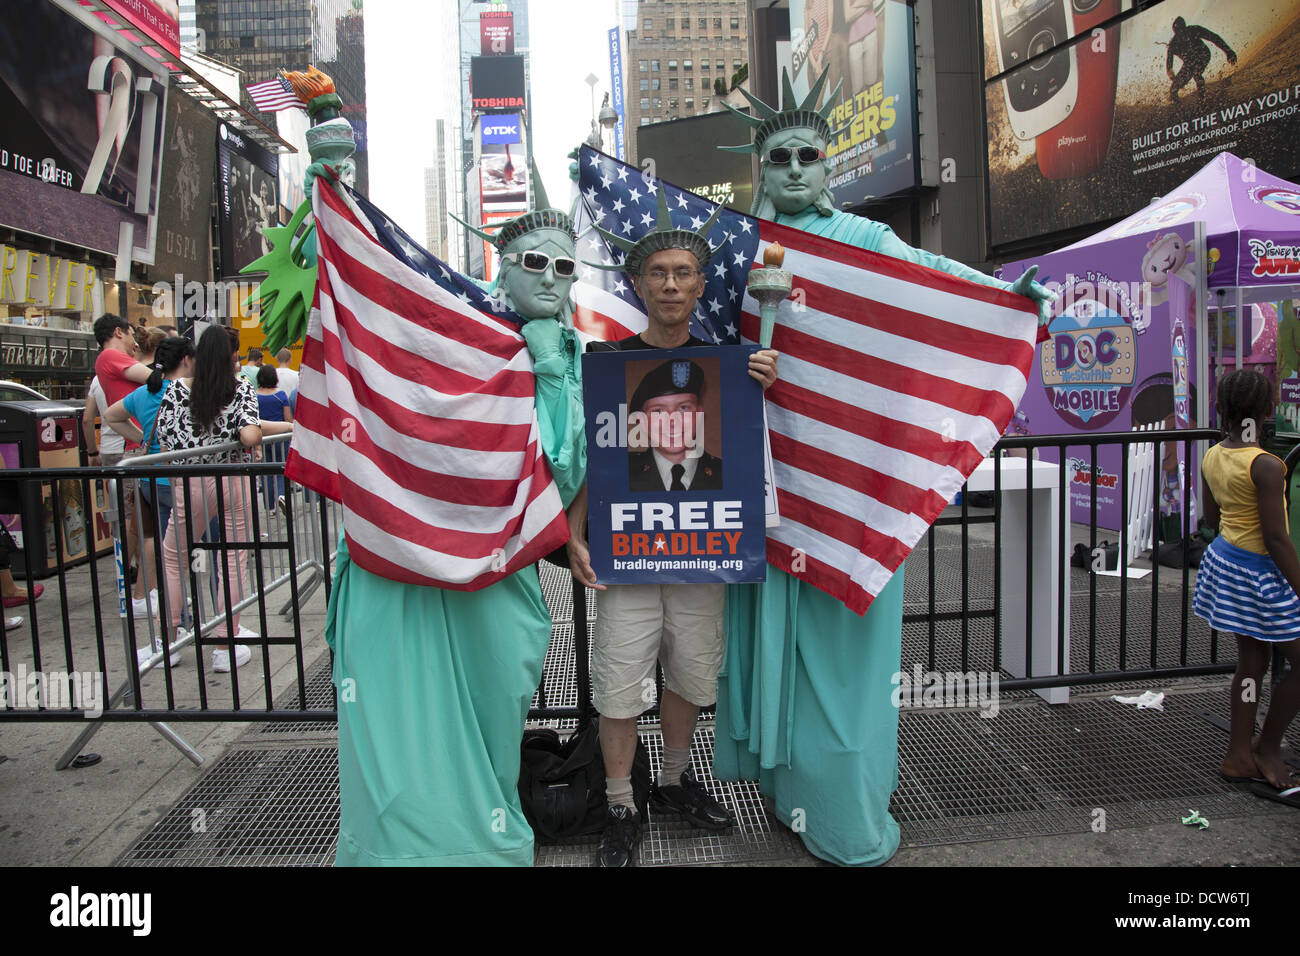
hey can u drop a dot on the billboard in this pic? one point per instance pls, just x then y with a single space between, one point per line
685 152
869 48
292 125
475 259
496 32
1090 130
500 129
503 178
247 178
497 82
80 132
158 19
185 193
616 84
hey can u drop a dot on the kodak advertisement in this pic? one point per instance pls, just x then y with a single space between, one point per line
1094 108
674 466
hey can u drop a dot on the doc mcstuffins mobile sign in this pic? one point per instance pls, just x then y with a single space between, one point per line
1089 364
1115 360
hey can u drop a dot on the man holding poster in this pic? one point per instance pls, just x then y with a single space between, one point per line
678 624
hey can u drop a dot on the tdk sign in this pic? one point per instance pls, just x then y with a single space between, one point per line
500 129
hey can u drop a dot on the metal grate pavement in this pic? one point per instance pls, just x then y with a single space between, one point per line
1034 770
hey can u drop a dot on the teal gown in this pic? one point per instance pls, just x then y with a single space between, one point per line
434 687
805 697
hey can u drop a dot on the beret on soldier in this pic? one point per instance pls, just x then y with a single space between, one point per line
674 377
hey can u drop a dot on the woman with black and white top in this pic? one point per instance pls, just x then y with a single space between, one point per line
215 407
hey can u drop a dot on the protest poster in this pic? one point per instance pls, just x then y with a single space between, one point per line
674 465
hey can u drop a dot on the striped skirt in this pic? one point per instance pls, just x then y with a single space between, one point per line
1244 592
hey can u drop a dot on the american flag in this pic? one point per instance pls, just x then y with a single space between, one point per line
415 410
623 200
895 380
274 95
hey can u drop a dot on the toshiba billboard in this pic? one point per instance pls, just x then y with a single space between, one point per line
497 82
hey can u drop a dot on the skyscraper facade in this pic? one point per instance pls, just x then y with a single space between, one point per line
260 37
460 143
680 57
435 196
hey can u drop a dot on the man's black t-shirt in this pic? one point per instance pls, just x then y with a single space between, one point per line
636 342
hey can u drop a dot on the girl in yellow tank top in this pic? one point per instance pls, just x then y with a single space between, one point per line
1249 581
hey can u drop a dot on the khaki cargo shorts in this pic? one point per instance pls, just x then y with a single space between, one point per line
678 625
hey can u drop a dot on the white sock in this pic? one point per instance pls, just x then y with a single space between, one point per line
676 762
618 792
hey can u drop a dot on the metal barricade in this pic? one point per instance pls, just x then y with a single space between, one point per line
1018 613
231 558
987 589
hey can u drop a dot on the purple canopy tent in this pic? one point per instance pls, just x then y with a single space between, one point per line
1228 236
1252 241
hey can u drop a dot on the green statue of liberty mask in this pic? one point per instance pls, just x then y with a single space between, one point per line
794 185
537 286
789 183
537 258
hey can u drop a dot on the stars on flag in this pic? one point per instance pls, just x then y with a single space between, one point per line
609 186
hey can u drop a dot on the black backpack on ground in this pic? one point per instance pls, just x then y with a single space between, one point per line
562 782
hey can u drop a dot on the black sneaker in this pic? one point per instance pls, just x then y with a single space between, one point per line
692 800
618 841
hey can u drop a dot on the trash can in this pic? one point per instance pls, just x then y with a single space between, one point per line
46 434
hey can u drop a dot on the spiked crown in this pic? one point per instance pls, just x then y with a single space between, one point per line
542 216
793 114
663 236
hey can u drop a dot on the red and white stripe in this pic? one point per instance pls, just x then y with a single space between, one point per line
602 316
416 412
882 364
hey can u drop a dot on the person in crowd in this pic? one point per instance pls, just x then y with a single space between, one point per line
118 372
272 402
10 592
638 625
273 406
824 748
214 408
285 376
173 360
250 370
147 341
1248 583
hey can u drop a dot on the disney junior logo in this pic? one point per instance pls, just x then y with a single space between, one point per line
1272 259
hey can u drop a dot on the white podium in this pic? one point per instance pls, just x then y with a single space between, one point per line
1018 554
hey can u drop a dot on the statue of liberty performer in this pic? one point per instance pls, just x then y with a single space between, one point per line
435 683
805 701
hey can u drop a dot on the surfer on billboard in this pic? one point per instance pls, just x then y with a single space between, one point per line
1188 45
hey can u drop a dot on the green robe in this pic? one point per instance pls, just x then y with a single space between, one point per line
434 687
805 697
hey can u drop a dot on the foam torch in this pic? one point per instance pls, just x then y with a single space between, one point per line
769 284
